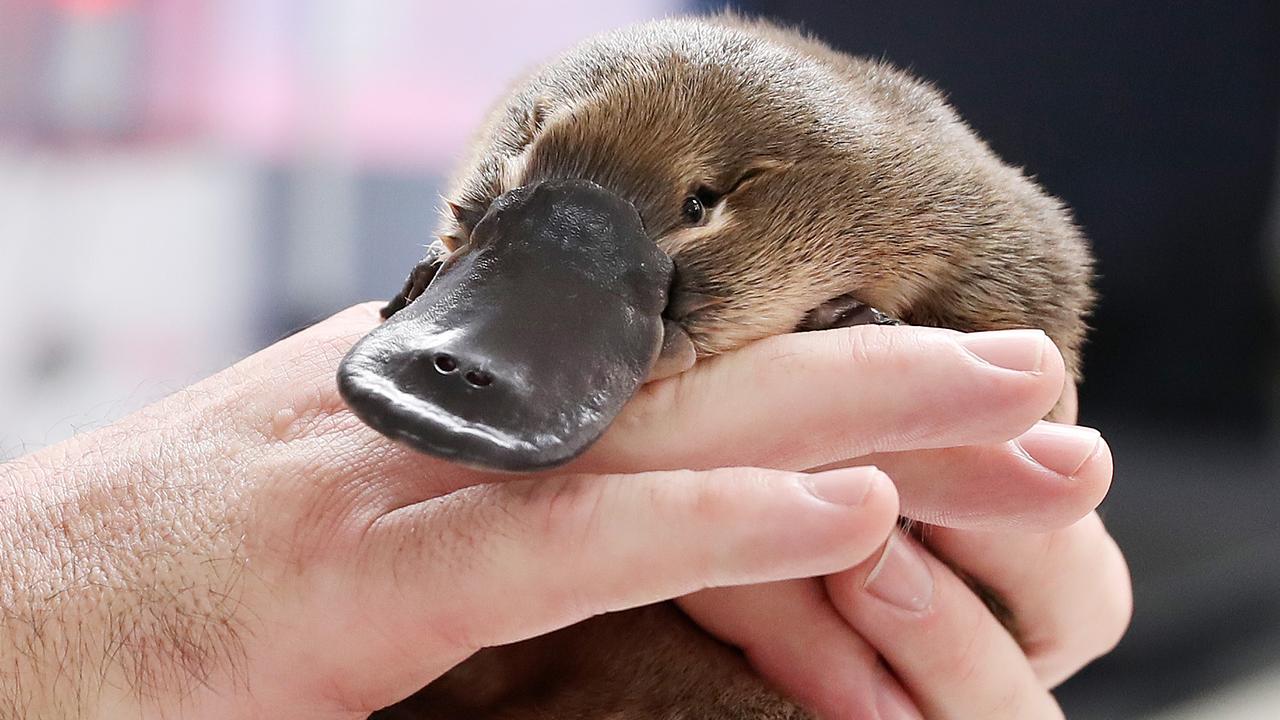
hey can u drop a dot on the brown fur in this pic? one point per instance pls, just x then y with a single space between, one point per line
868 183
650 663
839 176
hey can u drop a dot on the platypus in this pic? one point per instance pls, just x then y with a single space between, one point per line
664 193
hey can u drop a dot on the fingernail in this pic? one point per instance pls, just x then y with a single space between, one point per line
846 486
1064 449
1021 350
901 578
892 702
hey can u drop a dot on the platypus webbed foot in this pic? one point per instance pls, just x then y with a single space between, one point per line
517 350
419 278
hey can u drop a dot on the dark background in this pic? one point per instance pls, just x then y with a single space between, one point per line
1159 124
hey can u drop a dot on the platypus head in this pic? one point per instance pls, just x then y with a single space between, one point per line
680 189
527 342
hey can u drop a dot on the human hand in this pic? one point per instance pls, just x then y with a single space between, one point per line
311 452
247 548
941 428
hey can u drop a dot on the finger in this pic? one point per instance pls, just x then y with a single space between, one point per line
495 564
289 396
1069 590
836 395
940 640
795 639
1068 409
1049 477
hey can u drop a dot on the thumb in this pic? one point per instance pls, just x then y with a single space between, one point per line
495 564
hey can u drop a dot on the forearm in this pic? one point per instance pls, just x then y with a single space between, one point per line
116 599
52 627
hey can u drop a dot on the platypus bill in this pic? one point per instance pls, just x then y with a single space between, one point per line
670 191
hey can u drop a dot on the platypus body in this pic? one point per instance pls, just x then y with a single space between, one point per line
667 192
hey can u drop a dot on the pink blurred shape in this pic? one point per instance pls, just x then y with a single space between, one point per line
399 84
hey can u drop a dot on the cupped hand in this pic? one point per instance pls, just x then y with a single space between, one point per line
246 548
953 419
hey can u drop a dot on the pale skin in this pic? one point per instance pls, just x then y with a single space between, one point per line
246 548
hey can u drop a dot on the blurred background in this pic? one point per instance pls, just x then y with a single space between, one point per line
185 181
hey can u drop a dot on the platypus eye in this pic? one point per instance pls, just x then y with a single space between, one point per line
693 210
695 206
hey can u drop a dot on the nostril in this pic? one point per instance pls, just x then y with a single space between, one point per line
478 378
445 363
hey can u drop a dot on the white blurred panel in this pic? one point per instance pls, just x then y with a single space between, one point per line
123 278
181 179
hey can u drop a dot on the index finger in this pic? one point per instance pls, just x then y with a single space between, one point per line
804 400
788 402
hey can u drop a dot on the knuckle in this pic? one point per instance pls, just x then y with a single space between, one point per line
463 529
1076 635
1112 607
965 667
1020 700
1116 610
717 495
878 346
560 509
1008 702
